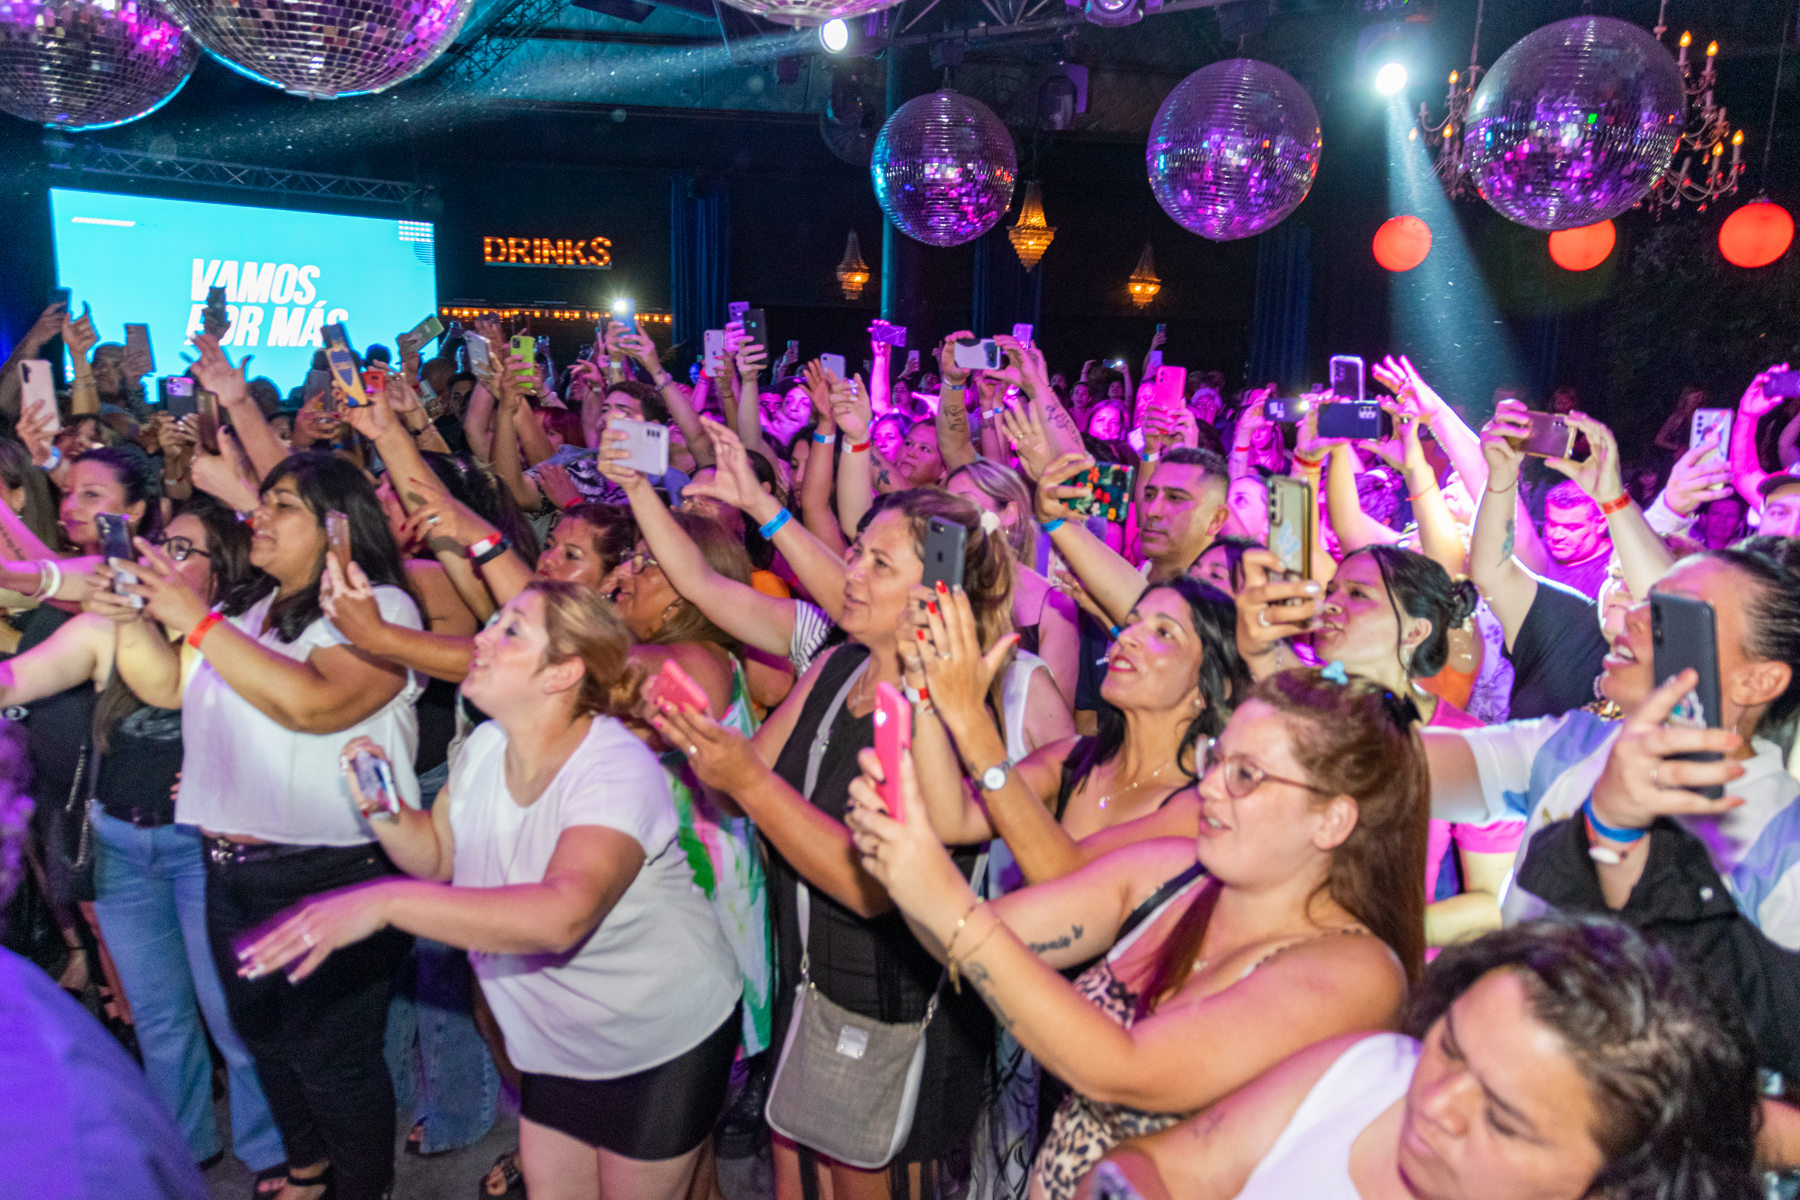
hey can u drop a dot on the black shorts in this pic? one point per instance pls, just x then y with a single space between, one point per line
660 1113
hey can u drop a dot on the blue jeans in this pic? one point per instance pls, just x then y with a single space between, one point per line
150 889
446 1077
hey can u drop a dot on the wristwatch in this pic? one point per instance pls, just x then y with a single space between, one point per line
994 778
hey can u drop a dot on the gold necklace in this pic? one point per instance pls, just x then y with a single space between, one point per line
1134 784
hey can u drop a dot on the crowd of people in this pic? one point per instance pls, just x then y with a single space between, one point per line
967 782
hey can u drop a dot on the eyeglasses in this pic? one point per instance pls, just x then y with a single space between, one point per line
180 549
1241 775
643 562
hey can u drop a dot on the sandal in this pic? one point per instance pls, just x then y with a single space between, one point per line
415 1142
278 1174
506 1168
323 1179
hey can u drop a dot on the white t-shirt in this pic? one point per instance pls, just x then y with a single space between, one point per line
656 977
1544 769
242 773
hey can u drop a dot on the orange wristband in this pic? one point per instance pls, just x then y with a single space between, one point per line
198 633
1617 503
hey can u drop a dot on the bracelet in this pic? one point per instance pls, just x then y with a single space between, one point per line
859 447
1411 499
992 416
484 545
824 439
917 696
54 569
662 383
1115 631
54 461
491 553
950 963
1607 831
1617 504
950 946
773 526
1241 449
1502 491
956 387
1052 526
198 633
1311 464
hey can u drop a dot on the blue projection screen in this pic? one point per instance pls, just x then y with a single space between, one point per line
284 273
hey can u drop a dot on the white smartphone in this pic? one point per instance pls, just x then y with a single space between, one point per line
646 445
1705 421
833 363
1022 334
480 362
713 354
981 355
37 391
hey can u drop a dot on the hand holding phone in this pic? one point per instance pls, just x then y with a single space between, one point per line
139 360
1684 636
115 542
337 541
375 780
646 445
37 391
678 688
945 545
214 318
893 738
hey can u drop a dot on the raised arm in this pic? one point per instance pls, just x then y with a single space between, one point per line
254 433
821 467
1108 576
1507 586
1753 406
955 441
751 359
1642 554
1354 527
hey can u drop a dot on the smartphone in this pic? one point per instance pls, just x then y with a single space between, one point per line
115 542
375 378
1162 330
945 542
624 312
833 363
1292 512
427 329
137 352
912 362
1153 362
1705 421
178 395
713 350
1022 334
1291 412
317 383
434 404
646 444
889 335
1347 378
792 353
736 309
1785 384
376 780
678 688
337 539
37 388
206 408
342 361
1111 495
893 737
215 320
480 361
62 296
1684 634
1171 389
1362 420
1550 436
756 328
981 354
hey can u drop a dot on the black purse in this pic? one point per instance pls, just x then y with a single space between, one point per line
69 846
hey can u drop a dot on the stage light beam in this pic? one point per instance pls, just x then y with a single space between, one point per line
834 35
1390 79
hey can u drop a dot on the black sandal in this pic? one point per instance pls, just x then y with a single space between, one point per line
258 1192
508 1166
324 1178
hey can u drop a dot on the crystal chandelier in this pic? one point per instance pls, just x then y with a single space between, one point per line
1447 133
1144 283
1031 235
853 272
1703 136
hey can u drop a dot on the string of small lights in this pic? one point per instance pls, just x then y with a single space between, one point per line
547 314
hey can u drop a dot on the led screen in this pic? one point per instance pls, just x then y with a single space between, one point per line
285 273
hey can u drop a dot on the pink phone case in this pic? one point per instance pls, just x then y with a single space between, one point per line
678 688
893 737
1171 388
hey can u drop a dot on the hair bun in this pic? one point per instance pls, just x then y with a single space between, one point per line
1464 598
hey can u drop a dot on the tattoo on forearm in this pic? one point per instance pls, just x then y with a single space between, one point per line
1506 547
978 976
1062 943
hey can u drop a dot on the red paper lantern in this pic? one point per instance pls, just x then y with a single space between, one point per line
1583 249
1402 243
1756 234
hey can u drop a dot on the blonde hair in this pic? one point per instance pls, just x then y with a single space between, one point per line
580 623
1004 486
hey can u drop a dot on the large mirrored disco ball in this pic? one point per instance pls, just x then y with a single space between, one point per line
1574 123
811 12
323 49
944 168
80 64
1234 149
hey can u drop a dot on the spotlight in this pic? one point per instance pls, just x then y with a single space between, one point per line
834 35
1114 12
1390 79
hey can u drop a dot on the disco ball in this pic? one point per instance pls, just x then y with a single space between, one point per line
810 12
1574 123
943 169
323 49
77 64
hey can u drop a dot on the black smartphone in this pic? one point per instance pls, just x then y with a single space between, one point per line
1291 516
62 296
115 542
178 396
945 542
1684 634
1362 420
1290 411
216 319
756 328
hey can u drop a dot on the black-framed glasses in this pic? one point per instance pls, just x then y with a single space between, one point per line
180 549
1242 776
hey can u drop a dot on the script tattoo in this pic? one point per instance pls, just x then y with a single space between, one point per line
977 975
1061 943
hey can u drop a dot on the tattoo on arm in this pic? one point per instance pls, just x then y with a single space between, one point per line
1506 547
977 975
882 478
1062 943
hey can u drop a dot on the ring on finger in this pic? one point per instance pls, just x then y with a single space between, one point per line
693 750
307 937
1262 618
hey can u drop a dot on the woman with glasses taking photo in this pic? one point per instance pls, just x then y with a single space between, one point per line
1296 915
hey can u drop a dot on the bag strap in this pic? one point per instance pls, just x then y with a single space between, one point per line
815 757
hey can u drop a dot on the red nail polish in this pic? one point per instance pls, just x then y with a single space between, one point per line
921 634
942 589
931 607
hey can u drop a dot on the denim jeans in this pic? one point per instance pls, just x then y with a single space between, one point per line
443 1073
318 1043
151 901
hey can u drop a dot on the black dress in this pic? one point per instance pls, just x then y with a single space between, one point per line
875 968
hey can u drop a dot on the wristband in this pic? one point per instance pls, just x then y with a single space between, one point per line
198 633
1052 526
1502 491
916 695
1152 456
956 387
1311 464
824 439
992 416
1411 499
1617 504
55 459
484 545
1607 831
500 546
1241 449
859 447
774 524
1115 631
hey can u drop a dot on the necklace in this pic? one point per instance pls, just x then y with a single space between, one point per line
1134 784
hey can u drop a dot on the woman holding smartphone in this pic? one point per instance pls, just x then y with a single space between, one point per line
264 716
557 839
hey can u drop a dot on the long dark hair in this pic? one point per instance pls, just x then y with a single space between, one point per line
1419 587
132 469
326 483
1224 679
1671 1068
39 511
1772 632
228 548
475 487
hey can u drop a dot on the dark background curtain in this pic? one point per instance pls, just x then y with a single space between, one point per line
699 256
1278 325
1005 293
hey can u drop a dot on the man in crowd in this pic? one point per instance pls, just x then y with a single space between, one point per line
1181 510
1576 538
1781 503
